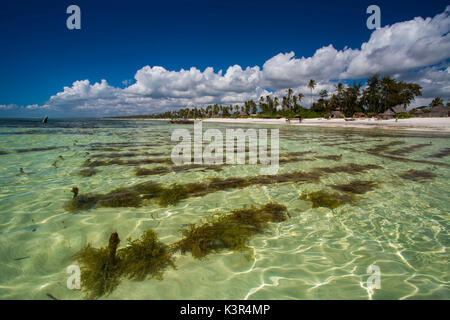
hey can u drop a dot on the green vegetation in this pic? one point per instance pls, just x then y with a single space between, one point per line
417 175
441 154
380 94
327 199
133 162
436 102
135 195
312 85
230 231
330 157
100 268
402 115
103 268
145 257
356 187
161 170
407 150
87 172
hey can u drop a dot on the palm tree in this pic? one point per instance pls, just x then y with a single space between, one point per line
312 85
289 95
300 97
276 103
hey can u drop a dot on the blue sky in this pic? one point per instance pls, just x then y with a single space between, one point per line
40 56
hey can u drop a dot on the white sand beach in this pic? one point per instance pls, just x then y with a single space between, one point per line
417 124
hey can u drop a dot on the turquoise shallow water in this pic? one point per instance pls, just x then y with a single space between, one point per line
402 226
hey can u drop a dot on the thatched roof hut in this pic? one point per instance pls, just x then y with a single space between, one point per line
439 111
336 114
417 113
359 115
388 114
399 109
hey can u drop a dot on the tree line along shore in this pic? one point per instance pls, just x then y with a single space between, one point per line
382 97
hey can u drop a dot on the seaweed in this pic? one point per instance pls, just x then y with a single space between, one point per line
350 168
355 187
161 170
327 199
101 268
443 153
128 155
417 175
384 146
299 153
173 195
133 196
121 197
133 162
75 191
230 231
402 159
291 159
146 257
87 172
330 157
408 150
39 149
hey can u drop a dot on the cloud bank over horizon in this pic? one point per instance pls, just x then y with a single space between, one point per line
417 50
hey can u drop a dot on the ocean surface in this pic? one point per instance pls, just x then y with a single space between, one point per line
394 213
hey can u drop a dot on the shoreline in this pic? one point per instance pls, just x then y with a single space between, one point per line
414 124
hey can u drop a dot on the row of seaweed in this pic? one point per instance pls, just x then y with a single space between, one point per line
136 195
139 172
384 151
103 268
293 157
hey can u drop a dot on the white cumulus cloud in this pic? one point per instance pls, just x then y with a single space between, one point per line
416 50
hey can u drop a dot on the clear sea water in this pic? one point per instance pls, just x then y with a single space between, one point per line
402 226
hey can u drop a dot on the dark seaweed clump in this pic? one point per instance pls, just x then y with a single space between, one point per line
87 172
145 257
39 149
324 199
356 187
443 153
135 195
382 147
128 155
330 157
408 150
121 197
230 231
103 268
161 170
351 168
120 162
417 175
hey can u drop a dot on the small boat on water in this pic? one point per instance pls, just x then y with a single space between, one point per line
181 121
45 120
